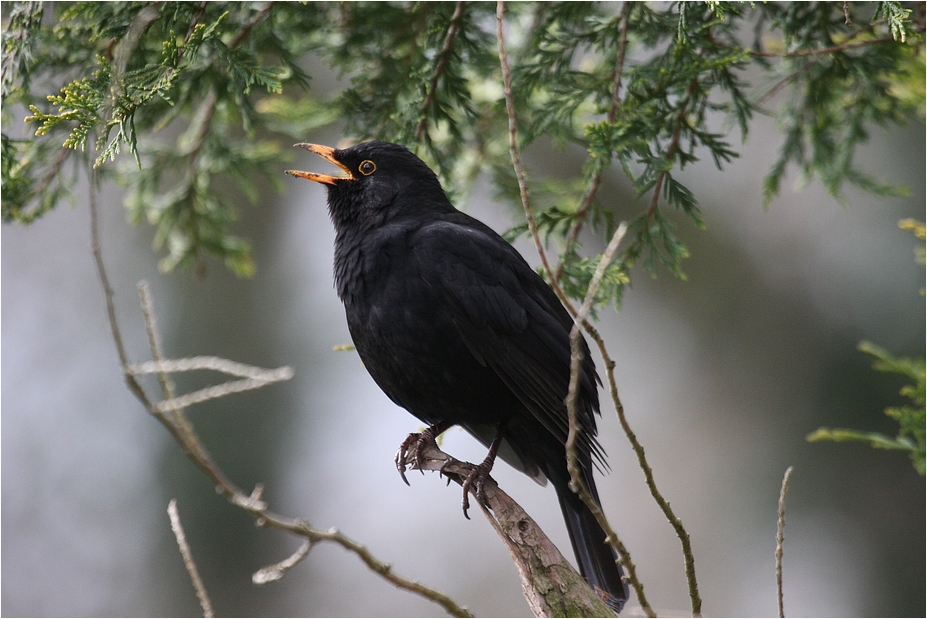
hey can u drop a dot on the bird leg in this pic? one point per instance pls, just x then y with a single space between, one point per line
480 473
412 447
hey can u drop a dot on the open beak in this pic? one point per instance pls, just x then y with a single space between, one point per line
328 154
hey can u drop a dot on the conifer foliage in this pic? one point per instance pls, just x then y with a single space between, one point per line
204 96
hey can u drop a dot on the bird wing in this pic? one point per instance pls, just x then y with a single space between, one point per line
510 320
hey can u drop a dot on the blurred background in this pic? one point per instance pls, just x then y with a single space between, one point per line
722 377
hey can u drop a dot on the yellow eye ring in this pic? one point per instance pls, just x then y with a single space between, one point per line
367 167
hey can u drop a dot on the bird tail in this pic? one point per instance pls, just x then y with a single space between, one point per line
597 560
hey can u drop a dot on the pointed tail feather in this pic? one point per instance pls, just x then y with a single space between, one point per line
597 560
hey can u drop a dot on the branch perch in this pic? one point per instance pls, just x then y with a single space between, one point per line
552 587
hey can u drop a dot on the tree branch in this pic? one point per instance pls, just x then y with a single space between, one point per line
848 43
552 587
278 570
246 29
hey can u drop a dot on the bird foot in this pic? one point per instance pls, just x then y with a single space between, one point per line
411 450
474 483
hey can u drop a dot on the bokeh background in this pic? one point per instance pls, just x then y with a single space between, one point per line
722 377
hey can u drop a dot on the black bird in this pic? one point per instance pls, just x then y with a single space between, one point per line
458 329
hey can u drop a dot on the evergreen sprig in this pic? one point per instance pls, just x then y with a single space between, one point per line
207 96
912 416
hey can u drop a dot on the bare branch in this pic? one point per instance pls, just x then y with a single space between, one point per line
552 587
277 570
218 391
526 203
513 147
780 537
681 532
386 571
675 522
186 437
108 294
188 561
576 479
217 364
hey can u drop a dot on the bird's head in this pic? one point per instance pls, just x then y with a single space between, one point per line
379 181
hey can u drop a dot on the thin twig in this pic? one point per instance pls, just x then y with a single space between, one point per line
183 48
251 24
673 146
576 355
196 20
676 523
195 450
513 143
847 44
277 570
217 364
823 51
154 343
681 533
443 57
783 83
172 416
218 391
576 476
596 179
780 537
386 570
526 203
188 561
108 294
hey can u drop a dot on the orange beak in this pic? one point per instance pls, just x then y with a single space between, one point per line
328 154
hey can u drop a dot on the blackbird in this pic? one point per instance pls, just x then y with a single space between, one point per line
455 327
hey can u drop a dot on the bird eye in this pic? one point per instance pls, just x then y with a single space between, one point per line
367 167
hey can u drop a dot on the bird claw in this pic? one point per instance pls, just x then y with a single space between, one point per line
411 454
402 455
474 483
411 451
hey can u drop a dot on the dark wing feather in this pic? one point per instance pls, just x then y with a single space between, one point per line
510 320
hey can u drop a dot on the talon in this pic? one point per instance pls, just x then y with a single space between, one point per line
474 483
411 449
401 456
477 477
